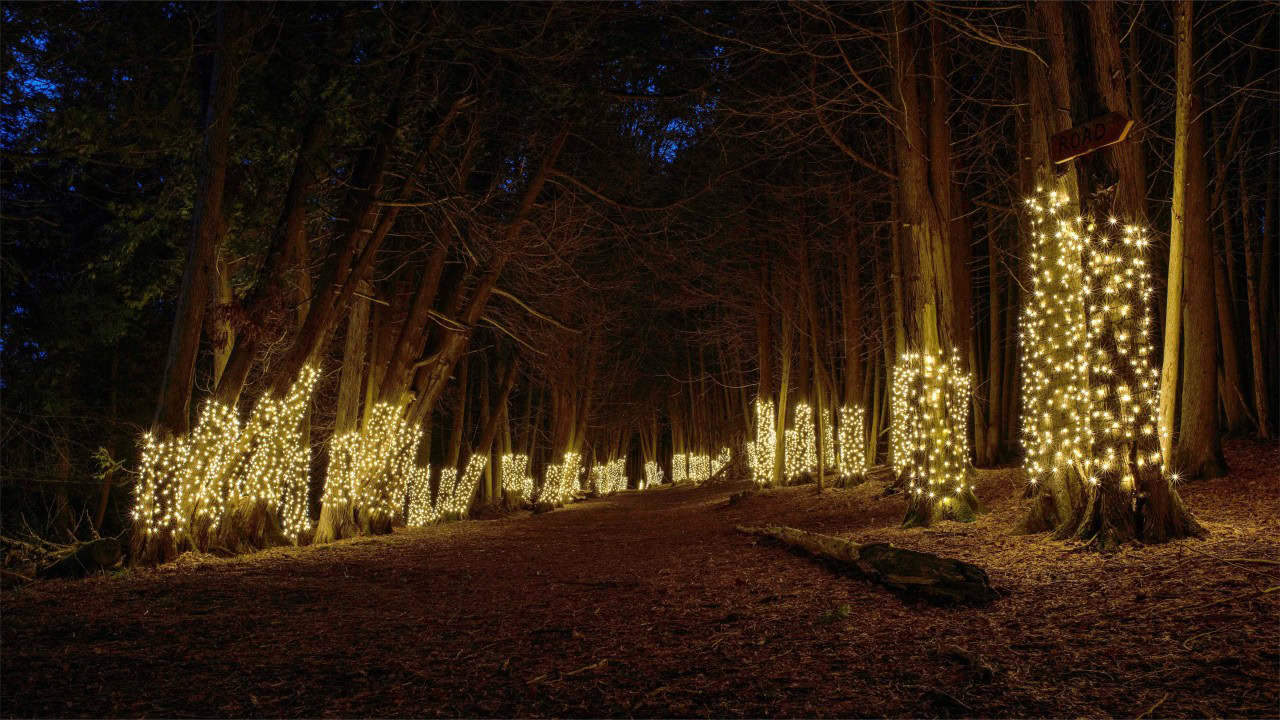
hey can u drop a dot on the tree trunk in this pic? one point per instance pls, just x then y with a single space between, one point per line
459 418
1231 388
1169 372
925 207
1255 299
173 410
779 454
1198 452
995 362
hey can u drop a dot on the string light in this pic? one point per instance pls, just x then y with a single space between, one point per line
679 468
760 451
929 439
1090 389
652 475
852 459
373 468
422 511
611 477
561 480
189 483
720 460
517 482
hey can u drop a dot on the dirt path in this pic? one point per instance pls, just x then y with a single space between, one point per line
645 604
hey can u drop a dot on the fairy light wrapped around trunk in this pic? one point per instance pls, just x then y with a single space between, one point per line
851 455
806 441
1055 342
800 444
679 468
422 511
516 480
760 452
1125 384
183 484
274 479
699 467
609 478
561 480
930 439
1090 389
458 503
652 475
720 460
247 482
370 468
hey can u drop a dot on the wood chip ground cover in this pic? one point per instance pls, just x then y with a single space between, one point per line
649 604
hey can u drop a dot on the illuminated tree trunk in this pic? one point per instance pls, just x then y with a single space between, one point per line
1267 274
876 404
1169 373
489 429
1198 452
436 372
288 252
1161 514
1059 494
857 377
933 321
222 334
338 518
486 478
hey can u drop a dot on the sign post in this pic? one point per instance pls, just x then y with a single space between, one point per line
1093 135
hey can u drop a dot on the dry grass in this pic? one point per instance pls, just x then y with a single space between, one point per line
650 605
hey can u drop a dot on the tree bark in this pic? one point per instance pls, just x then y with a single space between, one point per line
1169 371
1255 300
174 406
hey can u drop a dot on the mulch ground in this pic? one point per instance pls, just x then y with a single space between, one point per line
649 604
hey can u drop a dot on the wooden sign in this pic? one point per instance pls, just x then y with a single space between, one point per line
1093 135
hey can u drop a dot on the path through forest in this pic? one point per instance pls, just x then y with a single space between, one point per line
650 604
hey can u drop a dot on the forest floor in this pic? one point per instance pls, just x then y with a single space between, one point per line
650 604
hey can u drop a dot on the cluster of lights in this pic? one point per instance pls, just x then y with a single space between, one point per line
516 478
458 504
188 483
561 480
699 467
652 475
1089 386
929 439
183 480
760 451
421 511
679 468
610 477
800 443
373 468
275 474
444 494
852 460
720 460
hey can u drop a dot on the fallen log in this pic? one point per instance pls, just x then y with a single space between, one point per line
87 558
908 572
